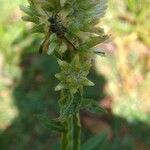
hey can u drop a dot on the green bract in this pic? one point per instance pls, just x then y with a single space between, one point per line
80 18
73 75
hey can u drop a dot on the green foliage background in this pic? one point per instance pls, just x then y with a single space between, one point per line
27 80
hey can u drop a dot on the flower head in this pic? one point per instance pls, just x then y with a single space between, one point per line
78 17
73 76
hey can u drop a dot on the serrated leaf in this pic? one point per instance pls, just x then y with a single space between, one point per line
95 143
52 124
92 106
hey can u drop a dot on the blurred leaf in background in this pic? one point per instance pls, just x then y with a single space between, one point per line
127 65
10 28
13 39
130 16
127 69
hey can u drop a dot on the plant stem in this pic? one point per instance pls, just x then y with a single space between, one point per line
71 139
74 131
64 140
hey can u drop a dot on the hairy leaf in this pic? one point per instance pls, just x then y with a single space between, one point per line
92 106
54 125
71 107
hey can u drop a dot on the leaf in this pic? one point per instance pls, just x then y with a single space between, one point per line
31 19
52 124
29 10
98 51
87 82
76 62
95 143
59 87
72 107
96 40
53 37
62 2
92 106
38 28
52 47
58 76
63 65
62 48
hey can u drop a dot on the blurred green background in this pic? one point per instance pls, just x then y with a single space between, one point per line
122 81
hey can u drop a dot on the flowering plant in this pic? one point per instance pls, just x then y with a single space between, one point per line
70 32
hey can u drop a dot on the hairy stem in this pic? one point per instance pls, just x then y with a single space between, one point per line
71 138
74 130
64 141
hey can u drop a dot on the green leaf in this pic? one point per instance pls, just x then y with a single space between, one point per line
31 2
62 48
53 37
95 143
53 45
76 62
71 107
96 40
38 28
62 2
87 82
29 10
92 106
31 19
52 124
59 87
63 65
98 51
58 76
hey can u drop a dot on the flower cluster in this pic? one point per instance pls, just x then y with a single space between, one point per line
78 17
71 30
73 75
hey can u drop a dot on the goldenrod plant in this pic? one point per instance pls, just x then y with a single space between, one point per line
70 29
